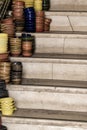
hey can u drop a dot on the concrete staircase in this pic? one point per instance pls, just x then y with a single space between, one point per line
53 92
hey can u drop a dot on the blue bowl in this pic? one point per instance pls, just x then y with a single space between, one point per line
29 16
28 25
30 30
31 26
29 12
28 19
25 35
29 22
29 9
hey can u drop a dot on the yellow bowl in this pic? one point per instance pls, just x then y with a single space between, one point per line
3 35
6 100
7 112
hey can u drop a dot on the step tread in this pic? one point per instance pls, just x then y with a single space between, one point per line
50 114
60 12
57 32
54 83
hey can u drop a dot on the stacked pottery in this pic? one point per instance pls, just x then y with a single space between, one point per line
17 9
19 25
3 91
3 127
40 21
29 19
7 106
29 3
4 54
15 46
46 5
7 26
38 5
47 24
27 45
16 72
18 14
5 68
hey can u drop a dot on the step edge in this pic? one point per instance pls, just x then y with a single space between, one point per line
50 115
47 89
47 60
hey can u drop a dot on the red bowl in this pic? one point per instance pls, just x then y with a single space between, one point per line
4 56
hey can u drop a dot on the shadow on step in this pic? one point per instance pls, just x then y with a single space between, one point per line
51 115
55 83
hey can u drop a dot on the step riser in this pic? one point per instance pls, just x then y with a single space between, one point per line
60 45
78 5
31 124
67 21
50 100
56 71
38 127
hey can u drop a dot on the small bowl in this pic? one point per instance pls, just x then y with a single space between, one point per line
4 55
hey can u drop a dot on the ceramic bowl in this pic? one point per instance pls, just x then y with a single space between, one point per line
4 56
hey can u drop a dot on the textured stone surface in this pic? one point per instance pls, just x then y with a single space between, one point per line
75 46
70 72
48 83
49 45
34 124
37 70
51 68
52 98
55 43
35 120
74 5
50 114
65 21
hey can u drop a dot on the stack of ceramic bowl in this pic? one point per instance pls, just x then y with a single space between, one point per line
5 68
7 106
3 91
40 21
7 26
27 45
18 14
16 72
46 5
19 25
17 9
3 127
29 19
15 46
47 24
29 3
38 5
4 54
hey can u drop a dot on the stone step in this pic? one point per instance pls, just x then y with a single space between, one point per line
35 94
61 43
27 119
52 83
68 21
53 68
69 5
